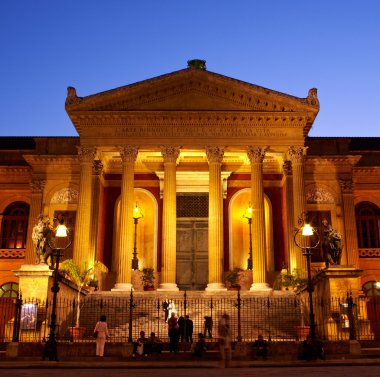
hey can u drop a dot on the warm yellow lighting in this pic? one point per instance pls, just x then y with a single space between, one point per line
377 284
307 230
61 231
248 212
137 214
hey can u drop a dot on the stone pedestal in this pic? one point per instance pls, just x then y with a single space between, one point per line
34 281
340 279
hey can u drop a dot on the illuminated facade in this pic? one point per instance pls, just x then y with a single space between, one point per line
193 149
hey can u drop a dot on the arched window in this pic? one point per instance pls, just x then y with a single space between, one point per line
15 226
368 225
371 288
9 290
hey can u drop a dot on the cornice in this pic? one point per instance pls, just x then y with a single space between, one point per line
15 170
336 160
375 170
51 159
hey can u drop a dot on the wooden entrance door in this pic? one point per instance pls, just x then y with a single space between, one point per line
192 254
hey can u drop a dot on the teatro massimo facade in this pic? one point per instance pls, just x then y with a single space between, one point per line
193 150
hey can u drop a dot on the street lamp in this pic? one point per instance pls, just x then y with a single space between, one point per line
248 215
137 214
58 244
307 238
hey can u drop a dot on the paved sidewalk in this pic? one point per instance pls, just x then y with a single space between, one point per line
154 364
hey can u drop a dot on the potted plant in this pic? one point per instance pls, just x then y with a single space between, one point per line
294 281
147 278
232 278
81 276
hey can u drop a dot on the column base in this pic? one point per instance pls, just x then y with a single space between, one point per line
260 287
215 287
171 287
122 287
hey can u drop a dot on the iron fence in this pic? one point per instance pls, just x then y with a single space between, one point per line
278 318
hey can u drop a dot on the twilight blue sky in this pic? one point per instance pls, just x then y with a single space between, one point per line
96 45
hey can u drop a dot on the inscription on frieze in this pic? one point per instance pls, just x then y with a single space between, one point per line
198 131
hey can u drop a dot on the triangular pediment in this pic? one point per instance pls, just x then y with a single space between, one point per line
191 89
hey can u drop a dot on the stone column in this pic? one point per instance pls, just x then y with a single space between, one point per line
96 173
124 259
82 227
256 156
169 220
292 248
34 211
297 157
351 242
215 220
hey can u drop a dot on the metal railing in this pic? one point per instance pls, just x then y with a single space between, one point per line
278 318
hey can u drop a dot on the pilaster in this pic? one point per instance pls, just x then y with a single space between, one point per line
350 233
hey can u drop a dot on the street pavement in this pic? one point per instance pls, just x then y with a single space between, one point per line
270 371
109 368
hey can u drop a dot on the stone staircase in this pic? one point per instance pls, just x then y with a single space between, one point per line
274 316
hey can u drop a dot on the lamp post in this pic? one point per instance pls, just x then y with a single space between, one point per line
248 215
137 214
58 245
307 238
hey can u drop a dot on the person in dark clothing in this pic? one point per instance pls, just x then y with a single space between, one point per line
154 344
199 347
181 328
189 326
208 326
165 308
261 347
173 333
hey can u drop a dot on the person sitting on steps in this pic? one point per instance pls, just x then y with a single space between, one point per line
140 345
199 347
154 344
261 347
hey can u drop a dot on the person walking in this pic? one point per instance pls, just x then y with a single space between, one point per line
224 335
101 329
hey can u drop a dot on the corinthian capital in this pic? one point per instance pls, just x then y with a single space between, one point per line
297 154
97 167
37 186
128 153
170 153
346 186
215 154
86 153
256 154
